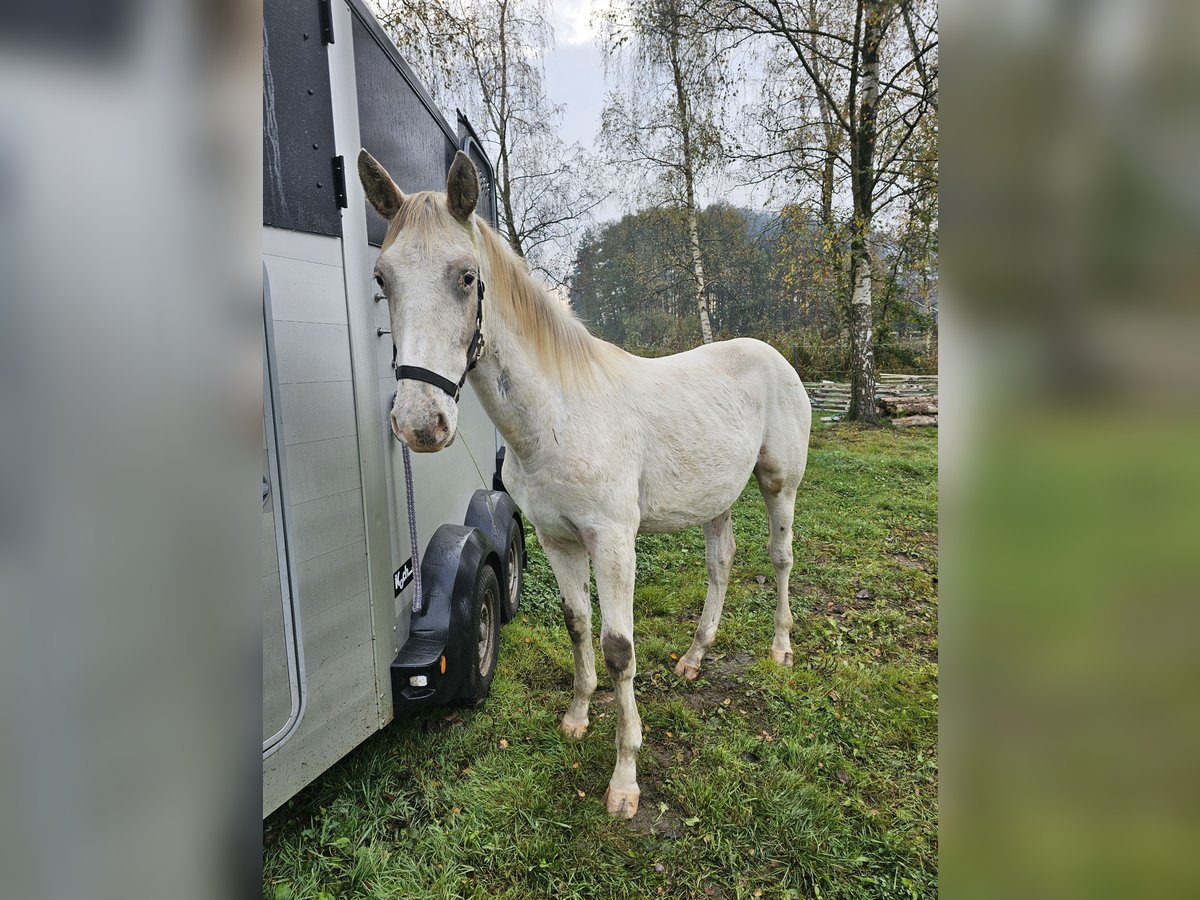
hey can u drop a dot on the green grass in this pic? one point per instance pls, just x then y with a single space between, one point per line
815 782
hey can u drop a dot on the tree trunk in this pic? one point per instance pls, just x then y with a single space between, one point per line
862 347
698 273
830 127
874 16
689 183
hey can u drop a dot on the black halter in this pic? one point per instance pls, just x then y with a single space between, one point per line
417 373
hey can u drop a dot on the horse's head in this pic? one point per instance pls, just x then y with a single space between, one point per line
429 271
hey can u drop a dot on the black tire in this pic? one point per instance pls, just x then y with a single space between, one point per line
484 637
514 558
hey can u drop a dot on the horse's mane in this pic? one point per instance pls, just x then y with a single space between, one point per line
561 344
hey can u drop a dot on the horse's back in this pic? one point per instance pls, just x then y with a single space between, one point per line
721 409
758 369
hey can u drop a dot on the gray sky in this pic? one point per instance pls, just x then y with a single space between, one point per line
575 78
575 71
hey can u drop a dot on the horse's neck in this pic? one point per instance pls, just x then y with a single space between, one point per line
517 394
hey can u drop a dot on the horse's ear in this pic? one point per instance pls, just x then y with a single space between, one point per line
462 187
381 191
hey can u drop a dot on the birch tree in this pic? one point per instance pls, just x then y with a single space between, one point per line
665 118
853 65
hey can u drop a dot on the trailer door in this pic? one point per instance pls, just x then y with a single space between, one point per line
281 648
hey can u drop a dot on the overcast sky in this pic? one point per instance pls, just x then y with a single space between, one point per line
574 70
575 78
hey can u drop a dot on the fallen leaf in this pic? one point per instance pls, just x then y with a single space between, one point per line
692 821
674 656
580 793
726 702
659 867
503 744
864 594
575 765
456 809
761 579
842 776
528 640
835 696
669 734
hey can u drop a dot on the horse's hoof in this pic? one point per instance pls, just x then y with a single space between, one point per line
622 804
574 730
685 669
783 658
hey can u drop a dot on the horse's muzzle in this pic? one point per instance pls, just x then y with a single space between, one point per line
428 437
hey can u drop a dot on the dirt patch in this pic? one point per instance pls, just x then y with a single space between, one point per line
721 689
910 562
655 815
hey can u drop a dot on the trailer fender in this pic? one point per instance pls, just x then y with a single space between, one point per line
496 515
438 649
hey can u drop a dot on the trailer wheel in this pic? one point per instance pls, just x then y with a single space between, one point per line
514 557
484 637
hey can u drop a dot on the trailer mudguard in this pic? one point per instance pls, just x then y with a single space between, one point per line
492 512
438 645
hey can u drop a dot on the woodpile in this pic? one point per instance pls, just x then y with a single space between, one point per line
910 421
906 400
894 406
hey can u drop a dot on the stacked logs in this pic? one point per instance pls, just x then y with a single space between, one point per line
904 399
908 410
908 400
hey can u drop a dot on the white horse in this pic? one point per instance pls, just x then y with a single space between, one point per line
601 444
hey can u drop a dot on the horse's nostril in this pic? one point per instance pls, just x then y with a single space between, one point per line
442 427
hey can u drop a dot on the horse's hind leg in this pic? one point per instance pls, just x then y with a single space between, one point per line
781 509
570 565
719 547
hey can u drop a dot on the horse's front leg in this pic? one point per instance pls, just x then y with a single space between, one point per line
615 563
570 564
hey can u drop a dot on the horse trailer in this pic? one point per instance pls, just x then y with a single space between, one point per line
343 650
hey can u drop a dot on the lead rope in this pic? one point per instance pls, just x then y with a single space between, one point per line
418 603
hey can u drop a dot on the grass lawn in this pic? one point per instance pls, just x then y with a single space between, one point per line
816 782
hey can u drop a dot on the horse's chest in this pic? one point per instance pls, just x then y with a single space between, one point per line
556 499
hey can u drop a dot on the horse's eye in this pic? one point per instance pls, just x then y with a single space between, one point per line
469 279
379 279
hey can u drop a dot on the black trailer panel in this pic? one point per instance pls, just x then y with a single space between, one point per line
298 147
400 124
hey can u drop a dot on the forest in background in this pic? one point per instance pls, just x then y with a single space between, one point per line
827 110
772 277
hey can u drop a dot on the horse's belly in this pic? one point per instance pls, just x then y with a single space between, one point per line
670 501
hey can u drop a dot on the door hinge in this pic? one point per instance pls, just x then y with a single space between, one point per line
339 181
326 10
